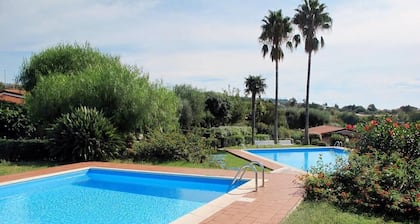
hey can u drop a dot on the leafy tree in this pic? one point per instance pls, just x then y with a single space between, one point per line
122 93
310 18
256 86
186 116
219 107
239 106
61 59
372 108
196 100
292 102
349 118
163 108
275 32
354 108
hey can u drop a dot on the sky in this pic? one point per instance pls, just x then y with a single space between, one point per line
371 55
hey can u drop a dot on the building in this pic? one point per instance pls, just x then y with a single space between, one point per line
15 96
325 131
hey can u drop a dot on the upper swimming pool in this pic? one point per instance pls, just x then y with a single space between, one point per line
98 195
302 158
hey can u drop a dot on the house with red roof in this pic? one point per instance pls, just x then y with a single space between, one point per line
15 96
325 131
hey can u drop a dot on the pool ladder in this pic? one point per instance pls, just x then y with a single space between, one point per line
243 169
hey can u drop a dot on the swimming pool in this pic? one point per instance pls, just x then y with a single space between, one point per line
302 158
98 195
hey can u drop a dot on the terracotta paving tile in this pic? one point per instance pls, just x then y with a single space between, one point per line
270 204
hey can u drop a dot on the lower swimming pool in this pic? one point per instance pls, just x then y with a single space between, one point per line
98 195
302 158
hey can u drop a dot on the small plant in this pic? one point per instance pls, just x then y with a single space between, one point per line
84 135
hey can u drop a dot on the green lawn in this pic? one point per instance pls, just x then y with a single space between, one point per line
322 212
18 167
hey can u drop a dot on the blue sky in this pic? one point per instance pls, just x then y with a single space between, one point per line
372 53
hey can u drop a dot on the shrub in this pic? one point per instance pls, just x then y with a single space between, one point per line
159 147
61 59
14 122
297 136
23 150
388 136
84 135
123 93
228 135
381 175
262 137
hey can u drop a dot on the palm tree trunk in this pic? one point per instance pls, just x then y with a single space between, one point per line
306 140
253 118
276 109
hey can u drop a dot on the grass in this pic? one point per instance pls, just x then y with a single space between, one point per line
323 212
230 161
19 167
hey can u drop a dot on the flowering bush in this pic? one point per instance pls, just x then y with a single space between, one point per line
389 136
381 176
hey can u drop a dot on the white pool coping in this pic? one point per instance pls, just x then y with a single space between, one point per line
194 216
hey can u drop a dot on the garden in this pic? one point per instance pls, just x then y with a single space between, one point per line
83 105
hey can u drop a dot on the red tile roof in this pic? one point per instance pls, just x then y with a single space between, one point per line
323 129
12 96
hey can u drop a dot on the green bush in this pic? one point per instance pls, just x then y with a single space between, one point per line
381 175
23 150
262 137
62 59
84 135
123 93
228 135
297 137
160 147
14 122
388 136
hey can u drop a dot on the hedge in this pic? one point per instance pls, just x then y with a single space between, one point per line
23 150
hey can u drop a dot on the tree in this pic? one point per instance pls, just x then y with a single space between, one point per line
122 93
61 59
256 86
310 18
219 107
372 108
275 32
195 99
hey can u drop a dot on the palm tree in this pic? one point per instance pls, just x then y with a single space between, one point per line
275 32
310 18
256 86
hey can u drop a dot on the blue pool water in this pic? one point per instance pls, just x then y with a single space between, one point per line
108 196
302 158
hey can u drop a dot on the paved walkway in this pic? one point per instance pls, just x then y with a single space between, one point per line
270 204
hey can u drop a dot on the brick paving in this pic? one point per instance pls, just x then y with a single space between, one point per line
270 204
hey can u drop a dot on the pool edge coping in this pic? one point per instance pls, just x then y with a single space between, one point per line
195 216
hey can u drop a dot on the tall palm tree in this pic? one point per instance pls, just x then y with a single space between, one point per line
310 18
275 32
256 86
